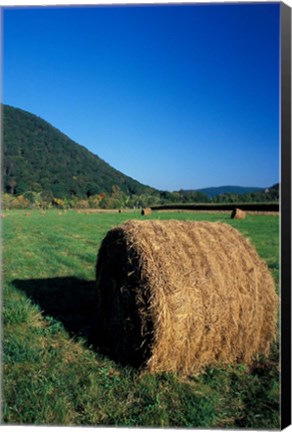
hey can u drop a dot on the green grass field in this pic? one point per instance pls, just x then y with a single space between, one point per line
51 373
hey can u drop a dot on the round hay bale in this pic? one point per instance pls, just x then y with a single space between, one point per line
238 214
146 211
176 296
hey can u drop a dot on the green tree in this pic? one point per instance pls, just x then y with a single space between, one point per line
35 199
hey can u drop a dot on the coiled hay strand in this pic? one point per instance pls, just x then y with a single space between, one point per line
177 295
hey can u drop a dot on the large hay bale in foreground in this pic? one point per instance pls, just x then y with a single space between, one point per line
175 296
238 214
146 211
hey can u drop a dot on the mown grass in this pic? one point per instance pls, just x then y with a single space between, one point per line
52 375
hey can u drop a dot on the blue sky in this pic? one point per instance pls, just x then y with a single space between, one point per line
178 96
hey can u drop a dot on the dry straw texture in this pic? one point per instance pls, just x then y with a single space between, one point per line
176 296
146 211
238 214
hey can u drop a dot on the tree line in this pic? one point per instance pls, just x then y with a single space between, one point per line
118 199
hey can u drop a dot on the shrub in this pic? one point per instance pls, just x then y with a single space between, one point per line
60 203
82 204
7 201
20 202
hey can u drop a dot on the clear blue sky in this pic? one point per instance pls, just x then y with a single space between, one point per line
182 96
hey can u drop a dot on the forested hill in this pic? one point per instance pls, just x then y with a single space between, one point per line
38 157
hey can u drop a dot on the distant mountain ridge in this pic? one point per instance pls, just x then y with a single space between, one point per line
240 190
38 157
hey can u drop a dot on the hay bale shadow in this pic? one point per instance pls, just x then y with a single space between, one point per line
67 299
73 302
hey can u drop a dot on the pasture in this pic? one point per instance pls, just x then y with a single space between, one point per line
52 372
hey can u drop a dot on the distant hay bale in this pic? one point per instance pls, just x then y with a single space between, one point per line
176 296
146 211
238 214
